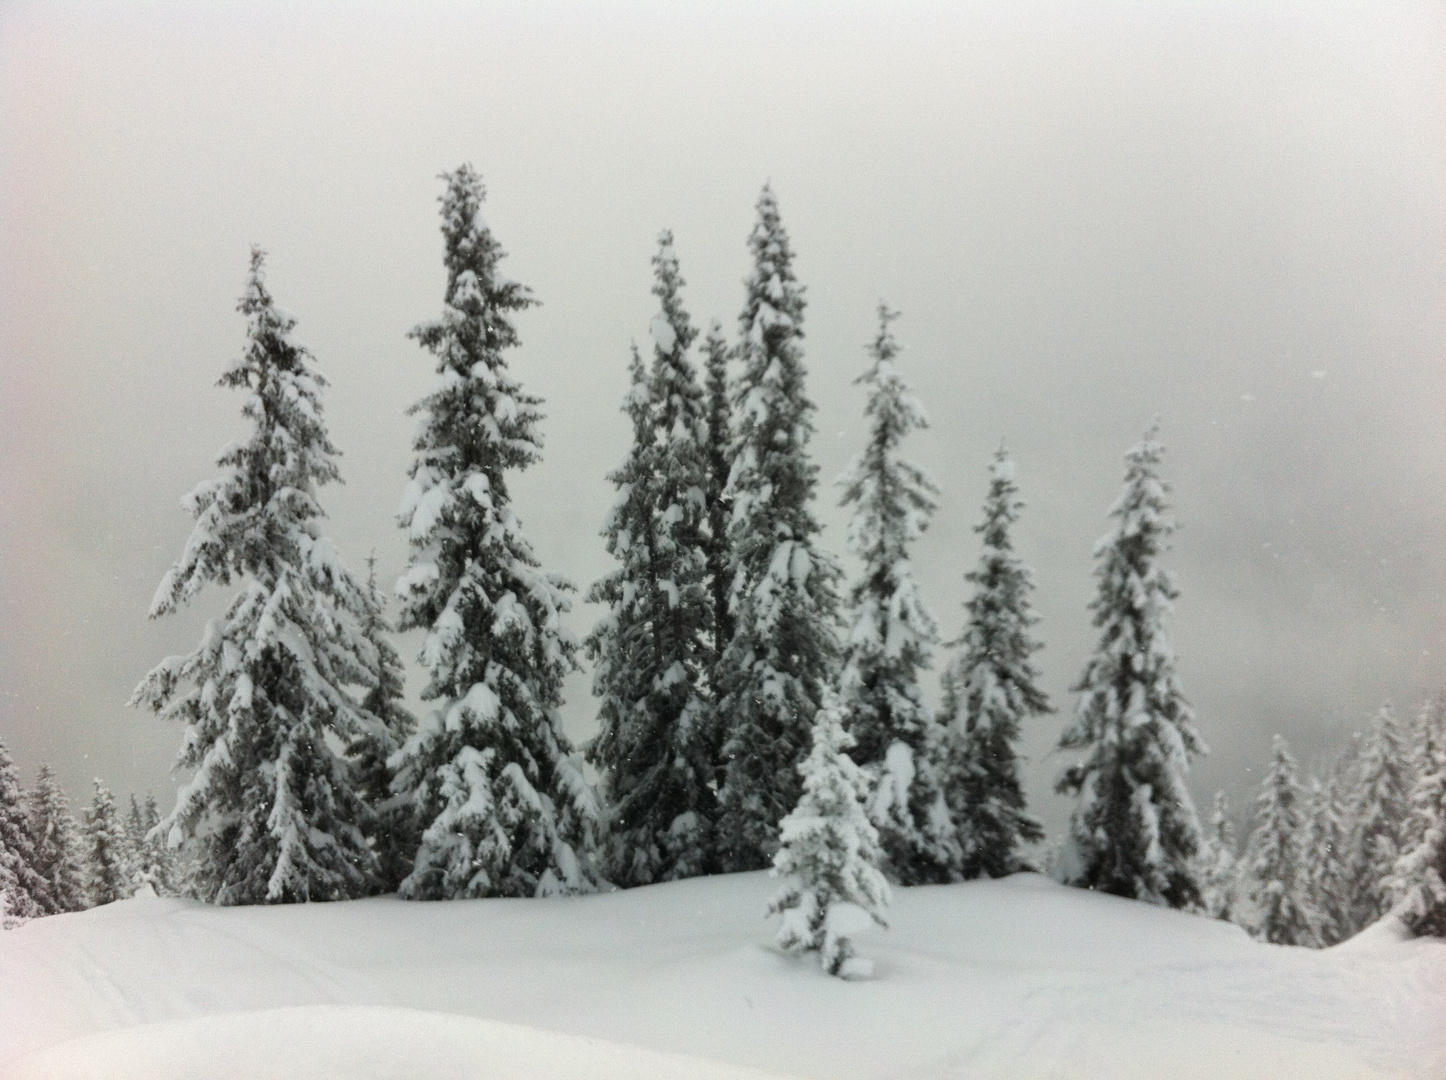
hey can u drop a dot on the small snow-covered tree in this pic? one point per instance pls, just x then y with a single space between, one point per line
719 461
110 866
1133 832
652 648
1219 874
1380 818
991 687
56 840
494 784
1280 911
24 892
829 856
269 811
392 830
896 738
784 592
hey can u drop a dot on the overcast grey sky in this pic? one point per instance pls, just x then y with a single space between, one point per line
1229 215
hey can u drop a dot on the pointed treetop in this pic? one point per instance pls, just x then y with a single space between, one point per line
475 327
774 309
672 332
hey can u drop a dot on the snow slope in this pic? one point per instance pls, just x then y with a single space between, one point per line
1013 978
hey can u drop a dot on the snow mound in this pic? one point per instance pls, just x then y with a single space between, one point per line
355 1042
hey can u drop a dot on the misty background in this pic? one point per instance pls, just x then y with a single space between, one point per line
1226 215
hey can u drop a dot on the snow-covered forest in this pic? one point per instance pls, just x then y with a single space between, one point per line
764 769
730 645
757 710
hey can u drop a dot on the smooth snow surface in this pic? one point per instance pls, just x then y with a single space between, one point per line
993 979
356 1042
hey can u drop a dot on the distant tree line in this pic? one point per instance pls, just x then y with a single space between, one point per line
754 708
52 863
1332 853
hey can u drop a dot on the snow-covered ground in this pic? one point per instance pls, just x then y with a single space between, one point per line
1015 978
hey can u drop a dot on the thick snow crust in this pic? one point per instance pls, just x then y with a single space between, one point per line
990 979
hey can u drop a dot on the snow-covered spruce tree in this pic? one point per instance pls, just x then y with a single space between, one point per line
1417 884
784 593
829 855
719 462
136 830
24 892
392 830
652 648
1325 849
1133 832
270 812
56 844
621 645
1280 909
1380 818
110 864
1423 738
896 738
991 688
156 863
1219 873
494 784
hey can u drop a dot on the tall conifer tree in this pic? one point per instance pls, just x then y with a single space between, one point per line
719 460
897 739
393 829
1219 873
269 809
621 645
1326 850
1280 907
24 892
155 862
1380 818
56 839
493 782
110 858
783 599
1133 832
1417 884
991 687
652 647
